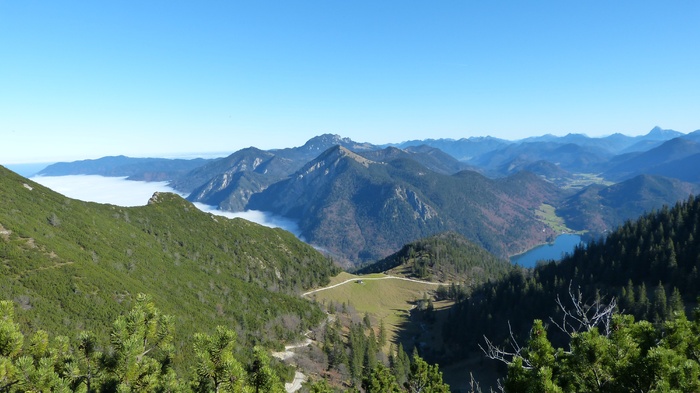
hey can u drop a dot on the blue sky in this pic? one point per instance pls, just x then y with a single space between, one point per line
165 78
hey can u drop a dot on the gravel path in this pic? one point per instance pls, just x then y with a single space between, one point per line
299 379
371 278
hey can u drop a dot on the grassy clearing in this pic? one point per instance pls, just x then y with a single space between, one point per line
581 180
389 300
344 276
547 214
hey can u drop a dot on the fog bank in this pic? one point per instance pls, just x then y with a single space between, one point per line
121 192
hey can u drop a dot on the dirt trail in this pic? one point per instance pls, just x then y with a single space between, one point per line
299 379
287 353
372 278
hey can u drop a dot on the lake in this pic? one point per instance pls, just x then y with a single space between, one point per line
564 243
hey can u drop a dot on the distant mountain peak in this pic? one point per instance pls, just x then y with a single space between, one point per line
322 142
661 133
325 139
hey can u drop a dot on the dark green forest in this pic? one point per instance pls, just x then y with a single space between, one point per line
446 257
648 266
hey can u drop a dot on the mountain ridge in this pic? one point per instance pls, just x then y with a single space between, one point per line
77 265
358 200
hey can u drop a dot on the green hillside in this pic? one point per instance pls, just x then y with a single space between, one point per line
650 265
71 265
600 209
447 257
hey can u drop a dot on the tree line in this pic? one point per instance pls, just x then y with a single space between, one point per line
651 265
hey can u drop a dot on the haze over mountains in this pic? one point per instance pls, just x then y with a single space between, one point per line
360 202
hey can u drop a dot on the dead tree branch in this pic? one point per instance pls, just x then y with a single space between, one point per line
492 351
583 316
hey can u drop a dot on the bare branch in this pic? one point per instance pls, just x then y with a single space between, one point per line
494 352
584 317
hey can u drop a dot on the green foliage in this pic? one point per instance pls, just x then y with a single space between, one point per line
217 369
640 263
425 377
444 257
380 380
72 265
139 359
320 386
401 365
635 356
142 349
261 378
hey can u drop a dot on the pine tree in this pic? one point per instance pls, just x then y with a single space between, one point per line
659 305
675 303
627 300
381 339
357 343
402 365
260 375
380 380
11 341
425 378
642 302
142 348
367 321
370 355
217 370
87 372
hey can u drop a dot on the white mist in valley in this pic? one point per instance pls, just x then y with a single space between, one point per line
121 192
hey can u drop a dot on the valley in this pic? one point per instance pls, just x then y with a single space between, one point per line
423 239
349 197
360 202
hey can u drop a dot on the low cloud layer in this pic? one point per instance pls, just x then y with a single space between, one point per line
114 190
121 192
263 218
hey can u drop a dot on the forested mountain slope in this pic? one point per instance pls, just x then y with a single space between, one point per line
362 210
446 257
650 264
600 209
667 155
74 265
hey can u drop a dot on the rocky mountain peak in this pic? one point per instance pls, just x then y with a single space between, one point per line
323 142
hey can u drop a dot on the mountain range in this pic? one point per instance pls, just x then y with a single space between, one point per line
359 202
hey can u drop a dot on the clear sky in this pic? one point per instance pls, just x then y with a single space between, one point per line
85 79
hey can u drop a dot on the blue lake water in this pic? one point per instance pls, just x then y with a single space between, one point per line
563 244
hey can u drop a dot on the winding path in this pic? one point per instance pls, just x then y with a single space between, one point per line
299 377
372 278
